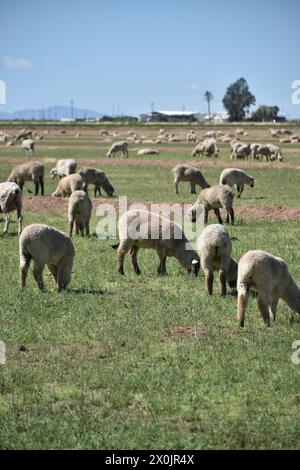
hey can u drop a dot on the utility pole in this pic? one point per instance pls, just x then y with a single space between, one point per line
72 108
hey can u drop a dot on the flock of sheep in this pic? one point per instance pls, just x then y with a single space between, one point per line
46 245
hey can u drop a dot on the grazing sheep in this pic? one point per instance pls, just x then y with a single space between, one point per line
270 277
148 151
118 147
236 177
241 151
28 146
214 198
46 245
208 147
98 178
29 171
79 212
10 200
190 174
191 137
254 147
68 185
136 229
276 153
63 168
273 133
214 248
263 151
23 134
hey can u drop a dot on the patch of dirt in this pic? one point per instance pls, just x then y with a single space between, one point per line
197 331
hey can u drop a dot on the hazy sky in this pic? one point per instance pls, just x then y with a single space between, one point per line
130 53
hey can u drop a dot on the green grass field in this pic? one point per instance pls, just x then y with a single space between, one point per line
147 362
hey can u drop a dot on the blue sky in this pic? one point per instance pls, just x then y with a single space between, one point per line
127 54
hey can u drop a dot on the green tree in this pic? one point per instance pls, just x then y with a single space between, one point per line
208 96
237 99
265 113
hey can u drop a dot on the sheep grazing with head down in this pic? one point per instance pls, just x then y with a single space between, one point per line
214 248
236 177
46 245
79 213
190 174
98 178
269 276
144 229
10 200
63 168
68 185
29 171
214 198
118 147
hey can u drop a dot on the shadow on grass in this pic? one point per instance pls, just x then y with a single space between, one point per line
88 291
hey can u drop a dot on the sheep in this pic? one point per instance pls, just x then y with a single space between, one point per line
237 177
63 168
79 212
28 146
214 198
191 174
241 151
207 147
10 200
98 178
148 151
276 153
29 171
210 134
263 151
118 147
191 137
270 277
253 148
23 134
239 131
68 185
273 133
214 248
168 240
174 138
148 142
46 245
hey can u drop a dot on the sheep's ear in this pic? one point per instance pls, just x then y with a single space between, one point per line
195 261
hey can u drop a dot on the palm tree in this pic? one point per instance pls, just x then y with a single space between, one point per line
208 96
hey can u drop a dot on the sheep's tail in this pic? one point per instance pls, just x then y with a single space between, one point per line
115 247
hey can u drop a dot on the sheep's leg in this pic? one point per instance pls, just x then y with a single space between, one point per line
209 281
161 270
176 186
122 250
243 295
6 224
76 227
24 266
273 308
230 215
240 190
71 226
222 275
37 185
218 215
205 216
81 228
20 219
87 228
38 274
133 256
53 270
42 185
193 189
263 305
85 188
97 188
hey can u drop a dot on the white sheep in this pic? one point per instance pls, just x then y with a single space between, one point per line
63 168
190 174
143 229
208 147
68 185
148 151
214 248
214 198
236 177
118 147
28 146
263 151
79 212
46 245
10 200
29 171
276 153
98 178
241 151
269 276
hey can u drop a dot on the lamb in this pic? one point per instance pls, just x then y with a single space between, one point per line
68 185
98 178
276 153
270 277
241 151
79 212
118 147
63 168
214 248
214 198
143 229
28 146
148 151
10 200
191 174
29 171
236 177
46 245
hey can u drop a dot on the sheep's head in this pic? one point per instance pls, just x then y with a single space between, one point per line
108 188
195 266
108 154
252 182
53 173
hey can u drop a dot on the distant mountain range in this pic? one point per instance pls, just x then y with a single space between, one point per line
52 113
